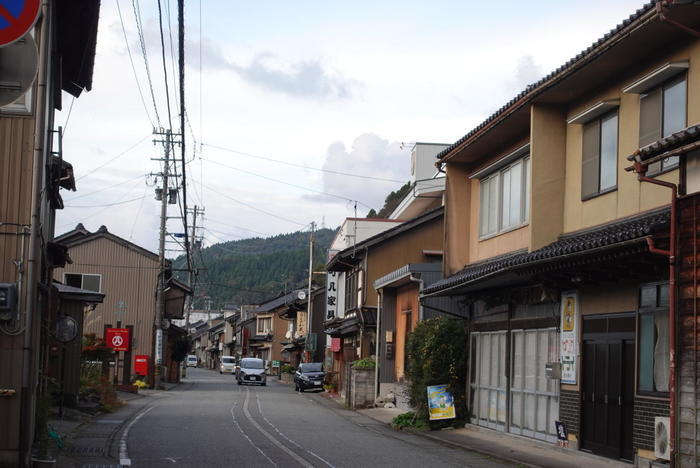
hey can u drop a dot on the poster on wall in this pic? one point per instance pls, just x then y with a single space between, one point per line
568 348
440 403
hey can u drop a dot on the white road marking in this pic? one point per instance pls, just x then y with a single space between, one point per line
124 459
240 429
272 439
257 397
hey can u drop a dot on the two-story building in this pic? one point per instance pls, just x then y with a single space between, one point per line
560 257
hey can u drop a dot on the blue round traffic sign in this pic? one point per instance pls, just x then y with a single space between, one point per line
16 19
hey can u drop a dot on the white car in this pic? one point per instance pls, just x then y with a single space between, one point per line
191 361
228 365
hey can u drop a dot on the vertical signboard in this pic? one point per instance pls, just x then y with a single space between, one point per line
331 294
159 346
568 348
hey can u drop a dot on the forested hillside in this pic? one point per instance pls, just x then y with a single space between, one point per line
249 271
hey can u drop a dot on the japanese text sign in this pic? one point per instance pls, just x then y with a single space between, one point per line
117 339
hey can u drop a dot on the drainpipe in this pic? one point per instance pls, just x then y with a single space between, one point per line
661 9
641 170
30 353
377 338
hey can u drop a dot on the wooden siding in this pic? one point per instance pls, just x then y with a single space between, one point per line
394 253
127 275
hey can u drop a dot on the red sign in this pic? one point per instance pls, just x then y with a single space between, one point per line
118 339
141 364
335 345
16 19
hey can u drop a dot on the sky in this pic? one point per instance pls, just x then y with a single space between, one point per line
280 93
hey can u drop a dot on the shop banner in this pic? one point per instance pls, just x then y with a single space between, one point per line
331 294
440 403
568 346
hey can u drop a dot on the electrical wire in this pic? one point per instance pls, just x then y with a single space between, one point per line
165 67
112 159
108 204
253 207
237 227
133 68
139 28
118 184
332 195
302 166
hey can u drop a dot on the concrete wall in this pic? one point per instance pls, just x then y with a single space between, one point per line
362 388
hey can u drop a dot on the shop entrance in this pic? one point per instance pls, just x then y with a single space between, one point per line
607 398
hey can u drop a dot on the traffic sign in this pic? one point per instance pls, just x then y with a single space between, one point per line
117 338
17 17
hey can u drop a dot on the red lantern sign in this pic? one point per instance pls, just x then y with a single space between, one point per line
141 364
335 345
117 339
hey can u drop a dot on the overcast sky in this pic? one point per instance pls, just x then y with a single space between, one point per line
316 84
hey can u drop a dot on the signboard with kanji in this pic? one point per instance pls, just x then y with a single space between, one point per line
331 294
17 17
117 339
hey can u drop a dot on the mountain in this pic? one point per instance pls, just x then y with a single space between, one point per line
249 271
391 202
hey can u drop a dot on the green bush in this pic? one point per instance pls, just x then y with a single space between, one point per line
408 420
364 363
287 369
437 354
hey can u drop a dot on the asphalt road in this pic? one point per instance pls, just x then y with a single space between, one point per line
214 422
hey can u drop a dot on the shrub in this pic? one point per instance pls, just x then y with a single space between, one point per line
287 369
408 420
437 353
364 363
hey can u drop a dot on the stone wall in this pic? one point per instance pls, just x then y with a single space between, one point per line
362 388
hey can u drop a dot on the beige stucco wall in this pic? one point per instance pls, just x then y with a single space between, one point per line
631 196
548 170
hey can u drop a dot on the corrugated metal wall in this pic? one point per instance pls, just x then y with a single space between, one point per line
128 276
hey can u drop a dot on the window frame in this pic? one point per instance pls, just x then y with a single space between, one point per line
663 86
599 120
524 162
352 290
657 308
82 278
261 321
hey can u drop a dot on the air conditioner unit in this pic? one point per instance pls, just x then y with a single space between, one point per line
662 432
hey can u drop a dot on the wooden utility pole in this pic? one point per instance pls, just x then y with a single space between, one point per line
191 275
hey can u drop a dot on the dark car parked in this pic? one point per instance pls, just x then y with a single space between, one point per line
309 375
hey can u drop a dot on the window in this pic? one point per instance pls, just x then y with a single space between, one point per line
353 290
83 281
264 325
662 112
599 169
504 198
653 351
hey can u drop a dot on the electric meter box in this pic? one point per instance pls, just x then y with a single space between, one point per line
8 302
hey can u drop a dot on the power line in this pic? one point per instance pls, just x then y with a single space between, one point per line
133 67
139 28
237 227
165 68
108 204
112 159
361 176
340 197
254 208
118 184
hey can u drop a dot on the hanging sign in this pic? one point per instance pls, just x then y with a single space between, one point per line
117 339
331 294
159 346
17 17
440 403
568 345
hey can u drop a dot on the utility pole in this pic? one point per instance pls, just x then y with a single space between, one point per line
160 297
191 275
311 275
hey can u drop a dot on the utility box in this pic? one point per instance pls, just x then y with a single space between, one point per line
8 302
552 370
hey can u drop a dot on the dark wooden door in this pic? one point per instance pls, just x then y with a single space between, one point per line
608 396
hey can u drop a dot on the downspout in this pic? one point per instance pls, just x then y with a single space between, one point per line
641 170
30 355
377 338
661 9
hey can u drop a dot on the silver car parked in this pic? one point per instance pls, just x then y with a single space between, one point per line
252 371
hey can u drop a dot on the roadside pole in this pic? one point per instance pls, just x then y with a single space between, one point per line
308 296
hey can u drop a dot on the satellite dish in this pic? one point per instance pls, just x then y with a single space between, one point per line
19 63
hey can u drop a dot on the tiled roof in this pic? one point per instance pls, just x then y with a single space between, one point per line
542 82
607 235
285 299
668 143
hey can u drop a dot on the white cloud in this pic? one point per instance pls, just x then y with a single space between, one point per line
368 155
